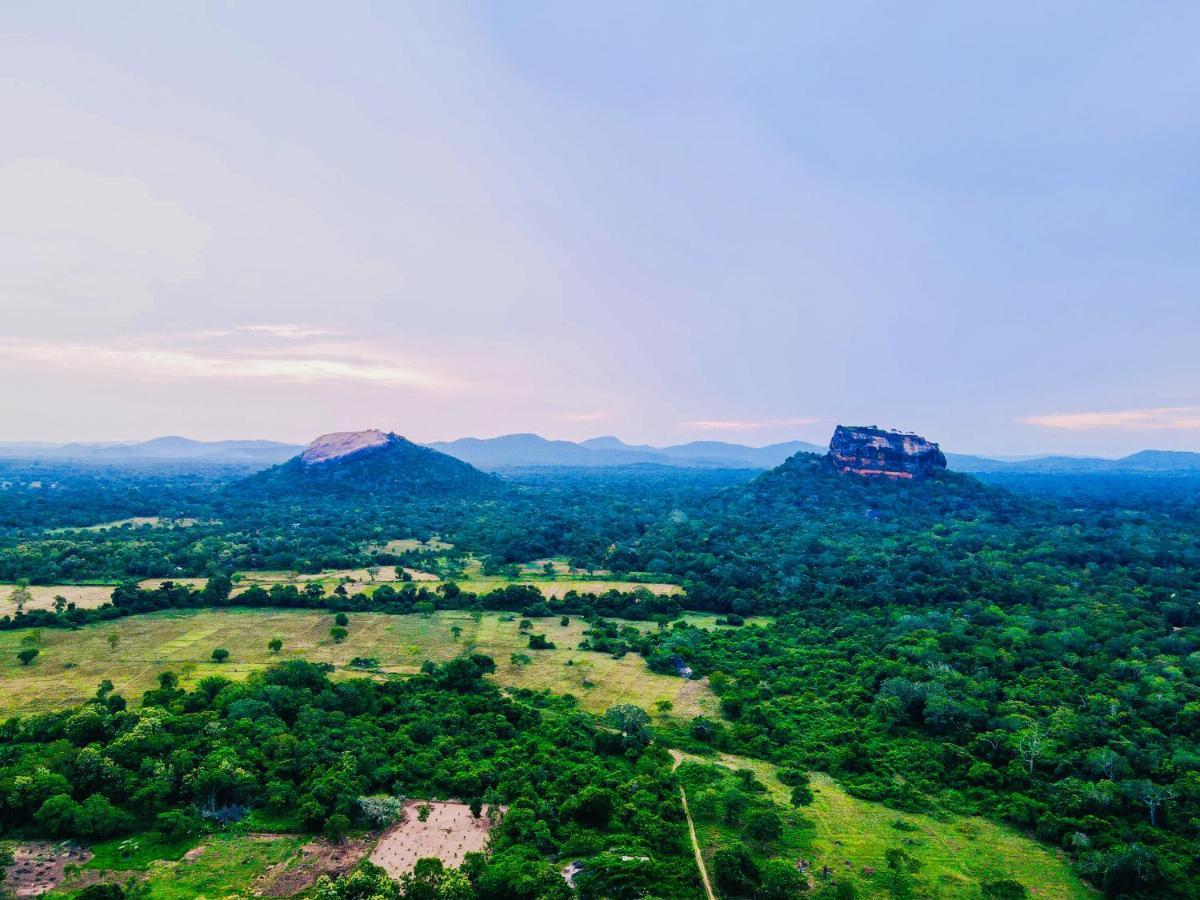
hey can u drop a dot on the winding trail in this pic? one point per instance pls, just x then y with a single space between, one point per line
675 755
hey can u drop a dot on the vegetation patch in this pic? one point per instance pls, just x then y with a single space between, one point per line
131 652
736 802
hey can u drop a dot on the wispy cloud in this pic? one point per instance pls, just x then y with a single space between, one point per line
288 330
1173 418
207 355
747 424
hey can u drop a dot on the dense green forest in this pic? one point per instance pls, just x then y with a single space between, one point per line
1025 648
294 743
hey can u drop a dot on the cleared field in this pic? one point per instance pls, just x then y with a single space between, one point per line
559 586
450 832
851 836
84 596
72 663
359 581
403 545
132 522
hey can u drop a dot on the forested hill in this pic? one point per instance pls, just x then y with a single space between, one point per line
389 468
950 644
803 534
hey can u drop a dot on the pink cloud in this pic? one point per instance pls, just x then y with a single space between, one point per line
1174 418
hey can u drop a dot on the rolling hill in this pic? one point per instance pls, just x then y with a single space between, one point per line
372 463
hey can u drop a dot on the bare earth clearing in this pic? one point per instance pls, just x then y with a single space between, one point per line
311 861
449 833
38 866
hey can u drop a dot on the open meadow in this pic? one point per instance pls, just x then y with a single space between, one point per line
132 651
955 854
42 596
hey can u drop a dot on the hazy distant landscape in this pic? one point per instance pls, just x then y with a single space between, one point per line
599 451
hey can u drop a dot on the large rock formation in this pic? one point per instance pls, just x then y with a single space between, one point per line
341 444
877 453
372 462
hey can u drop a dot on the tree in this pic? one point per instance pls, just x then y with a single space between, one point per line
341 619
423 812
21 594
631 721
780 881
338 633
735 872
520 659
28 655
60 604
456 631
114 640
1031 744
275 645
220 654
337 827
1150 795
764 826
664 706
372 573
564 621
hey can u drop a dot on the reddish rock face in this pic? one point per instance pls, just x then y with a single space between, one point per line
876 453
341 444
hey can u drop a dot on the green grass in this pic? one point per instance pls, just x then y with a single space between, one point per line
73 663
224 865
473 580
957 854
139 851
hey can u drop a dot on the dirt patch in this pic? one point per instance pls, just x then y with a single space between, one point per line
311 862
449 833
39 866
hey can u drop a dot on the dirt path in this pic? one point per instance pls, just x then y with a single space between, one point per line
692 831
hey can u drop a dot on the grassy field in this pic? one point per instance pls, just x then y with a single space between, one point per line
956 854
85 596
556 585
224 865
72 663
132 522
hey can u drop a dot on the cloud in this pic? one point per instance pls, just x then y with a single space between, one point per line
289 330
217 355
1170 418
594 416
747 424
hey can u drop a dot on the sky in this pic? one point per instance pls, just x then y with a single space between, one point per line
665 221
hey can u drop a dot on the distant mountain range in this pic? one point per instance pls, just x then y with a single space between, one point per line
170 447
1145 462
523 450
513 451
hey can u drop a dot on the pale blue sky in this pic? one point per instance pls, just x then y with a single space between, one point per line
665 221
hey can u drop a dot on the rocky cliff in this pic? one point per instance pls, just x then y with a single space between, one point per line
877 453
342 444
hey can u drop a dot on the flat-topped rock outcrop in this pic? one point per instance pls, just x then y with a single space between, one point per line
341 444
878 453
